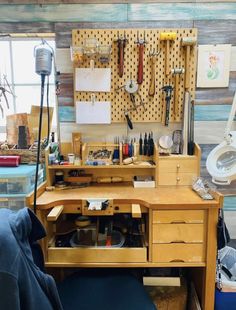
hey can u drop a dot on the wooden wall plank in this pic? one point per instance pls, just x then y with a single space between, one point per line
21 27
104 1
216 31
209 132
212 113
66 114
230 203
63 30
178 11
63 60
158 11
214 11
66 95
206 96
64 13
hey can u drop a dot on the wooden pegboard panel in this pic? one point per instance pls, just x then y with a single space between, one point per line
120 101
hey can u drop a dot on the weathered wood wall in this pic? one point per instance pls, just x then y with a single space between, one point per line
216 24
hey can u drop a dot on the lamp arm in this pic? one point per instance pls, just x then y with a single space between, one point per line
227 135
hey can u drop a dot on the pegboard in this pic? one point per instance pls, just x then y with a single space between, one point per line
120 100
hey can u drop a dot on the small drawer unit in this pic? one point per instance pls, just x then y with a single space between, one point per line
178 169
18 180
178 236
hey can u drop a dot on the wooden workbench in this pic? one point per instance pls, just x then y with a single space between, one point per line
180 231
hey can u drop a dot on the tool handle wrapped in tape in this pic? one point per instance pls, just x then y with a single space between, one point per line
9 161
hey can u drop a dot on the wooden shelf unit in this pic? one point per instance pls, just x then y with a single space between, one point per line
166 170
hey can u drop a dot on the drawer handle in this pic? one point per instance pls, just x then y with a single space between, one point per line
178 241
177 179
177 261
178 222
178 166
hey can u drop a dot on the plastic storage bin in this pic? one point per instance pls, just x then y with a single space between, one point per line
18 180
14 203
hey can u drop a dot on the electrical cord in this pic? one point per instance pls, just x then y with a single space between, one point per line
39 140
48 114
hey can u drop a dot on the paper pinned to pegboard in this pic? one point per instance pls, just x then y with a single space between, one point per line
88 112
93 79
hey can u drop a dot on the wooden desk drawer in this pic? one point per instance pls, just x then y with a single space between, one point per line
178 165
97 255
176 178
179 216
178 252
188 233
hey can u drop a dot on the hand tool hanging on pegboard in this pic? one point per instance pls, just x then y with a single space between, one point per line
121 43
176 72
141 44
131 87
187 43
167 37
168 91
153 55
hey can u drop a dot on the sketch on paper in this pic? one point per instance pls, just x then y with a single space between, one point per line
213 65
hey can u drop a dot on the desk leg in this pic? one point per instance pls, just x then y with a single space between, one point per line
210 270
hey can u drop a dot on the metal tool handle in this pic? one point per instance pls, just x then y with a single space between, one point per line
121 58
140 64
153 73
167 115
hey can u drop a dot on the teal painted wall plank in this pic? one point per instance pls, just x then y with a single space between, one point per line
213 11
181 11
64 13
116 12
212 112
66 114
230 203
160 11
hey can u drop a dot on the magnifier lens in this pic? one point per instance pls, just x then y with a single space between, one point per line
226 161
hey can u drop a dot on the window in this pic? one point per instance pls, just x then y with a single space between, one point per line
17 62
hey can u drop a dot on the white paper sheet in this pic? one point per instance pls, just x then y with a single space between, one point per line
97 79
88 112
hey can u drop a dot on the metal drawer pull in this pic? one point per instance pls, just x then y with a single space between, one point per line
178 179
178 241
178 166
177 261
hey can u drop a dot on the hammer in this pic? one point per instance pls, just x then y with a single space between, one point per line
167 36
121 42
141 43
187 42
176 72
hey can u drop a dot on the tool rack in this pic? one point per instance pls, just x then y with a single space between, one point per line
120 101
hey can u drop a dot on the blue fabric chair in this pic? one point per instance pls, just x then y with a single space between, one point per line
104 289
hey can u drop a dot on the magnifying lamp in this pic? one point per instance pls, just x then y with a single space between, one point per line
221 162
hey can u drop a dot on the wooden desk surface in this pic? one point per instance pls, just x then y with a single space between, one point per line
175 196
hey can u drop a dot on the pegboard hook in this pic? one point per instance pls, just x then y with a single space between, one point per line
93 99
91 64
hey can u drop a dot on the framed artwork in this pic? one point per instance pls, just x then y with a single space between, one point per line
213 65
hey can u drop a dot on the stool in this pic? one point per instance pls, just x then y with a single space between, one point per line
104 289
